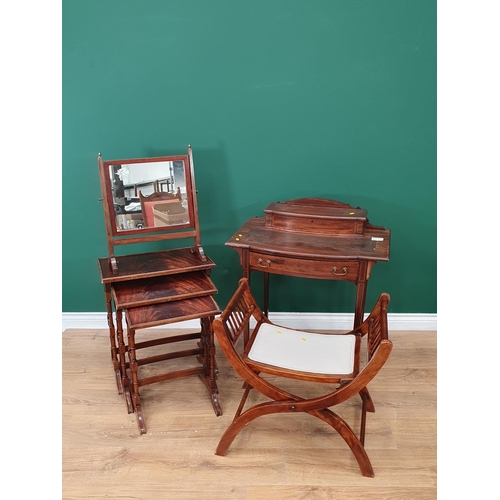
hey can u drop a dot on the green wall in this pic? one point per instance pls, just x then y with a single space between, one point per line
279 100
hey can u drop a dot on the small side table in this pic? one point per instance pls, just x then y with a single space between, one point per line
155 289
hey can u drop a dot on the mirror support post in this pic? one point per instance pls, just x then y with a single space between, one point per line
107 215
198 249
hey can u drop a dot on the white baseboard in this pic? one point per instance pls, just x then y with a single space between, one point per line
301 321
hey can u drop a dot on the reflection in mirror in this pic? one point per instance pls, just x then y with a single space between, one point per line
151 194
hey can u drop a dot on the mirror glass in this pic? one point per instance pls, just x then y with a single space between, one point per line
148 195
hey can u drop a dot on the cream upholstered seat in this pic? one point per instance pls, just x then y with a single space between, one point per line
303 351
308 357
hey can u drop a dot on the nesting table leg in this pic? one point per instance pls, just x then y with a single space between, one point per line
112 340
208 360
136 399
122 353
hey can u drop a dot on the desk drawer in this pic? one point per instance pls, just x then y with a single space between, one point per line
305 268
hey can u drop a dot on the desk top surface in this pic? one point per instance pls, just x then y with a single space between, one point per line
256 237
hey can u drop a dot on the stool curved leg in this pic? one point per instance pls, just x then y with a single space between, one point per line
347 434
244 419
325 415
365 396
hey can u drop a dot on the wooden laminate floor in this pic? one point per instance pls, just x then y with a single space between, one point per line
276 457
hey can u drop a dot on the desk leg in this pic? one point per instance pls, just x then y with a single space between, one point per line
266 294
358 319
245 267
361 285
360 304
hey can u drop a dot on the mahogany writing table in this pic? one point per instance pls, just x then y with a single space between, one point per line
313 238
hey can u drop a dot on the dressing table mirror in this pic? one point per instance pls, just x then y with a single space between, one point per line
150 200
